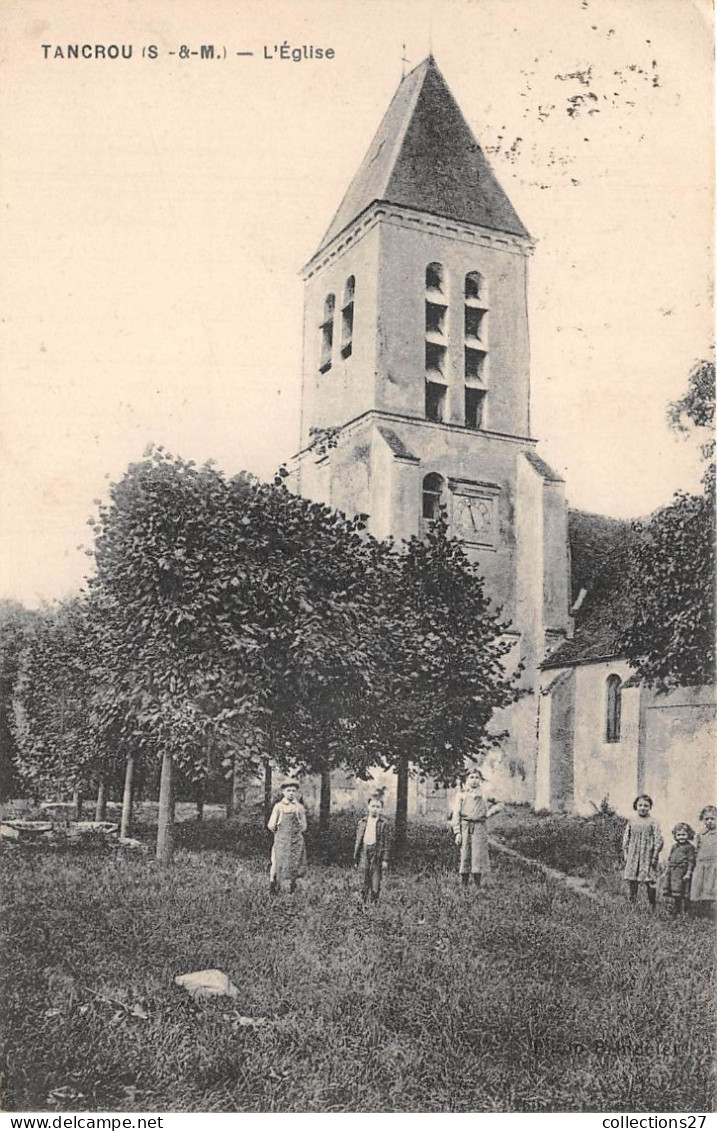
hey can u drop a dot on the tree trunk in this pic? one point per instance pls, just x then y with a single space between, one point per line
126 821
238 787
231 808
165 825
267 791
325 815
101 804
200 801
77 800
401 804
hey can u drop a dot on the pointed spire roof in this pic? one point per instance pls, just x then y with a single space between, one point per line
424 156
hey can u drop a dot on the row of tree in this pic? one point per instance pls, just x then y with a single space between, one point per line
230 625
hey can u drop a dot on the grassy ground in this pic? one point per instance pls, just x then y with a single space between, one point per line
588 847
522 998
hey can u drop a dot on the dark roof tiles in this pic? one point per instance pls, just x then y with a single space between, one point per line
599 549
424 156
544 469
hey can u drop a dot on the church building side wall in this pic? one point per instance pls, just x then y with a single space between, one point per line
680 737
602 768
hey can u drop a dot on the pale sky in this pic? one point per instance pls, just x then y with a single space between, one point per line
156 213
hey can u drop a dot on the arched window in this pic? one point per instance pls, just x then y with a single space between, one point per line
475 349
613 708
432 493
326 330
436 354
474 285
347 317
434 277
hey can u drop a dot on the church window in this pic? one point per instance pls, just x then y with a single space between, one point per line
327 334
435 318
474 286
475 363
475 348
475 399
435 401
434 277
432 494
474 322
613 708
436 353
347 317
435 360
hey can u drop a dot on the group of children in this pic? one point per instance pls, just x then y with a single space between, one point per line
288 853
372 846
689 877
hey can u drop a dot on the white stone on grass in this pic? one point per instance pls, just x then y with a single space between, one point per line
207 983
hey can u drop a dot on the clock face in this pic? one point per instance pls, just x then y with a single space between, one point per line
473 518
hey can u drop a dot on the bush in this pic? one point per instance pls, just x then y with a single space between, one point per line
589 847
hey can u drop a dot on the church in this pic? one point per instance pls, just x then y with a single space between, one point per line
416 395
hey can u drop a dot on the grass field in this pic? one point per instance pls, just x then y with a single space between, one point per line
522 998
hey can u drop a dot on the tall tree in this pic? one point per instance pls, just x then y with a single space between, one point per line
15 624
167 578
443 663
670 639
224 600
57 748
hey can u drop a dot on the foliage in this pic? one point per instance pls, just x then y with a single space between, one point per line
230 619
588 847
52 702
442 658
670 639
231 607
15 623
696 408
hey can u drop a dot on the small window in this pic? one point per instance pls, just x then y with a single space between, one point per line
435 401
326 330
474 319
613 708
347 318
474 363
434 277
474 285
435 318
435 359
475 403
432 493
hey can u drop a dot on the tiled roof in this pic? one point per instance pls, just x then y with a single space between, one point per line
543 468
598 550
397 445
424 156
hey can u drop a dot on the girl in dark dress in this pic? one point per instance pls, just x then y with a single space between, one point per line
679 868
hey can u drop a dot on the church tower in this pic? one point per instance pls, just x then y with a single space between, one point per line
416 375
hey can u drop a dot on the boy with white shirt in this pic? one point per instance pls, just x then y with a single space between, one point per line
468 821
372 848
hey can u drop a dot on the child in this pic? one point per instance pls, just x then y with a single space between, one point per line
680 866
468 821
641 846
372 847
704 879
288 824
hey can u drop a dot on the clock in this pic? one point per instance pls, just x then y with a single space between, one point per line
473 518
